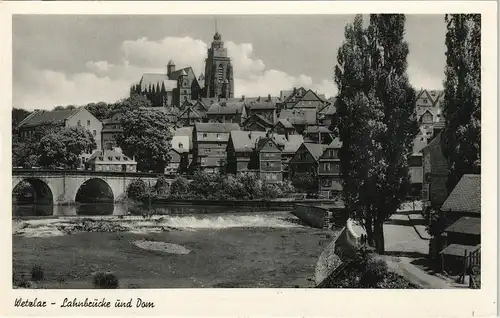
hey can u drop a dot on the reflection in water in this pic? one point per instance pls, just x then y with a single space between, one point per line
101 209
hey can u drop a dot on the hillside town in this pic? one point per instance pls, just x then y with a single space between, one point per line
291 136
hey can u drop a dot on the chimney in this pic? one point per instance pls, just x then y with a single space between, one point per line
268 97
258 99
242 98
286 134
250 135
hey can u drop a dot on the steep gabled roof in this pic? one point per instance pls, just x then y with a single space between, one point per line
245 141
316 150
289 145
53 117
285 123
466 196
299 116
190 113
329 109
335 144
256 118
226 108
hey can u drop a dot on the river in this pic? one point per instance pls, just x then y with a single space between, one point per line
110 209
221 246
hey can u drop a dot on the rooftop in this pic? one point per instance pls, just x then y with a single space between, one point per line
458 249
244 141
316 150
53 117
466 225
466 196
216 127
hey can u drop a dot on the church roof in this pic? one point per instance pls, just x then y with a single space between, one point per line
153 79
183 71
170 63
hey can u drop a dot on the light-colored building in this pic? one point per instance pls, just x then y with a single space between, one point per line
110 160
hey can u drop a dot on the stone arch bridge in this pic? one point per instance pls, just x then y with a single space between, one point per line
61 186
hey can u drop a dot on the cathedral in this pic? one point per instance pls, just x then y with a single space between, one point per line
175 87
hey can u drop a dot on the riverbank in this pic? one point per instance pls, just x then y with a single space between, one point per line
245 250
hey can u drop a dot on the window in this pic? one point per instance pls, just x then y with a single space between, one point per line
425 101
218 136
94 132
110 158
181 145
267 164
205 135
270 144
327 167
221 73
88 122
79 123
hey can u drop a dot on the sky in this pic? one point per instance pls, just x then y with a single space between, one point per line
78 59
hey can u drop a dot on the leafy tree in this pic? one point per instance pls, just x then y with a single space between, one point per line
63 147
134 102
18 114
100 110
179 188
306 182
137 189
462 96
375 104
147 136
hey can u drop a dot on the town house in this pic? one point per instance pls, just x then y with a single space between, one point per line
210 144
270 165
227 111
241 151
329 176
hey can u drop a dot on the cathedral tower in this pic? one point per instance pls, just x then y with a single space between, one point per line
219 81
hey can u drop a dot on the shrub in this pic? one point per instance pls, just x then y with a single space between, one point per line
179 187
137 189
36 273
105 281
161 185
366 270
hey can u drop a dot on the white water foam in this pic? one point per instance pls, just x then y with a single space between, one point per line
155 224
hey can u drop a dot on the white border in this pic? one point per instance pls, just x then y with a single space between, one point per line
271 302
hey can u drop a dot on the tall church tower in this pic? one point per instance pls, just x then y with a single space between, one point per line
219 82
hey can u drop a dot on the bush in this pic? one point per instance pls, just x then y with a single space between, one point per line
37 273
105 281
137 189
179 188
366 270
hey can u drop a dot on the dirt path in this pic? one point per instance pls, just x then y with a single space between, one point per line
418 276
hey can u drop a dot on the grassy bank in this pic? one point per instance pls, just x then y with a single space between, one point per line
233 257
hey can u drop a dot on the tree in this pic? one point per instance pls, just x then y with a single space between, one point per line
135 101
461 142
306 182
147 135
100 110
375 107
63 147
18 115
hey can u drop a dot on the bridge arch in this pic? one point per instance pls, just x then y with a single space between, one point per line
94 190
32 190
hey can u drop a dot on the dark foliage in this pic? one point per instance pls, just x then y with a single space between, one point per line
375 106
37 273
105 281
461 105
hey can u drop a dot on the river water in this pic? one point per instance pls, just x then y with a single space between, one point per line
105 209
224 246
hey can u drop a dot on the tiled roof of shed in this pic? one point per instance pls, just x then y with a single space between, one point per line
466 196
466 225
458 249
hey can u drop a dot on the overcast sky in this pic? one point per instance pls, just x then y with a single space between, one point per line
63 60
